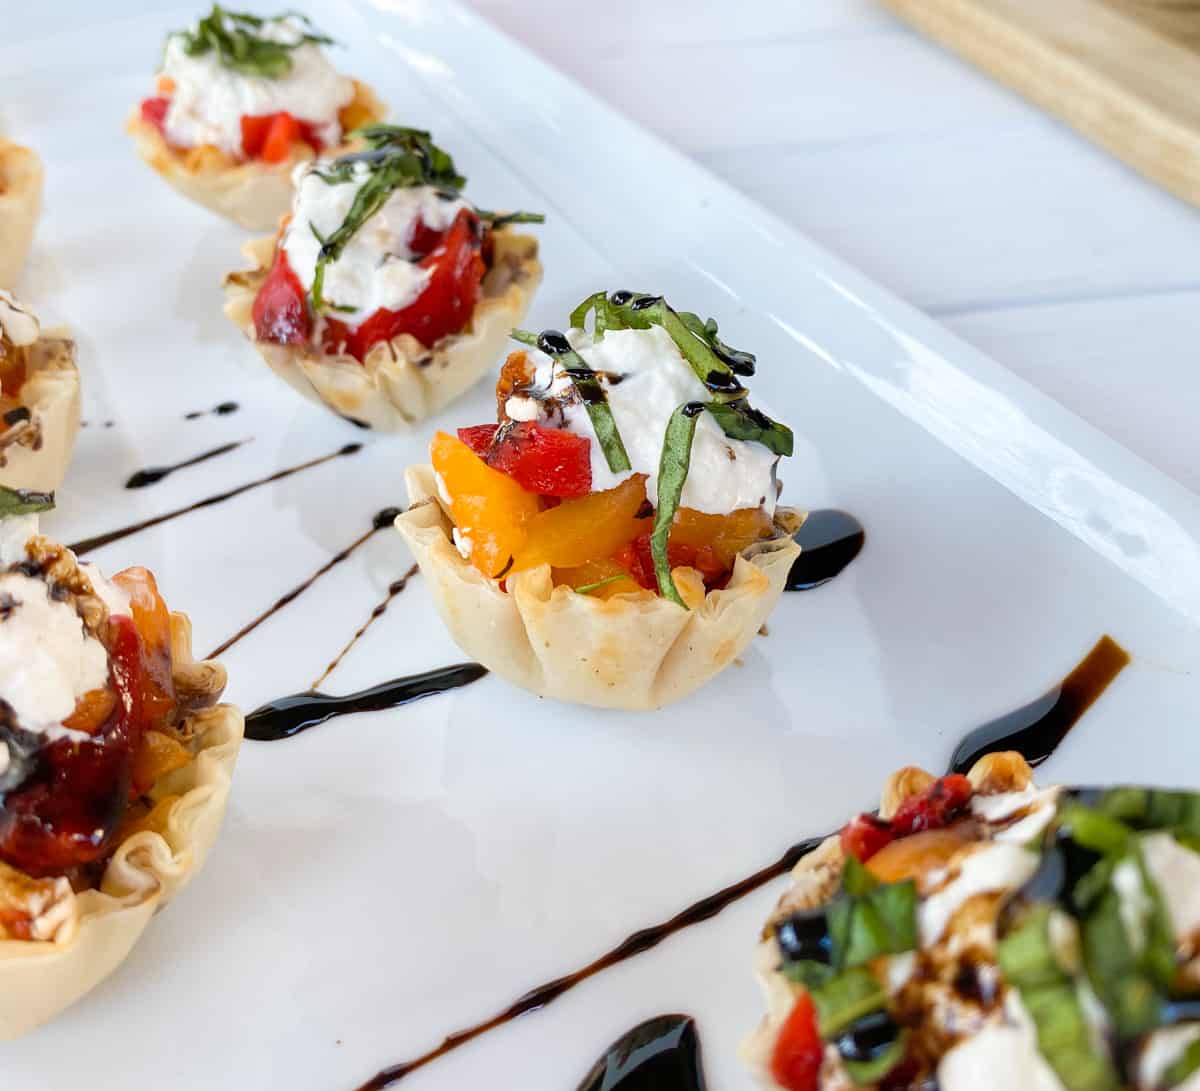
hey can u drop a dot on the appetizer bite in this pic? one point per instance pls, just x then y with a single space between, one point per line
20 202
982 934
614 540
385 294
239 100
114 765
39 400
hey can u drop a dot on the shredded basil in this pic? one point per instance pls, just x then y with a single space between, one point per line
234 37
672 475
499 220
1153 809
843 999
24 501
880 921
870 1072
739 421
807 972
1181 1069
587 588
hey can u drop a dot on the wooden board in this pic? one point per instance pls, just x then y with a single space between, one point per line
1125 73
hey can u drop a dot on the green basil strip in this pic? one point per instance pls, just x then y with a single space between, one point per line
882 921
232 36
871 1072
591 393
586 588
845 999
1026 955
1153 809
739 421
596 302
1095 830
807 972
24 501
857 878
1117 972
672 474
499 220
1179 1070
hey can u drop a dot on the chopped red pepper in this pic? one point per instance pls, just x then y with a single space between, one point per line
152 620
638 561
154 112
933 809
280 311
270 136
548 461
796 1059
423 239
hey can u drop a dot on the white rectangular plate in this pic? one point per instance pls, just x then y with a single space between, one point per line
386 878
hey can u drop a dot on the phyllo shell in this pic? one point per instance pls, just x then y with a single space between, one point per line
400 382
35 452
253 194
83 937
629 651
21 179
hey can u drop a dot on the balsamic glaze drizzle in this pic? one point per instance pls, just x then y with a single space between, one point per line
154 474
222 410
288 716
1034 731
829 540
660 1053
88 544
394 589
383 519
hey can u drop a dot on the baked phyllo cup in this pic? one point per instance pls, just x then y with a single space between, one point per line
615 539
385 295
39 400
238 102
979 933
21 180
115 766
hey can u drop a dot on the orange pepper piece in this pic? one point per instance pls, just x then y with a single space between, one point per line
489 509
157 755
152 620
725 535
912 856
610 576
92 711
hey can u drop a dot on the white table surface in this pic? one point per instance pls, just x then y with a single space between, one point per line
1042 250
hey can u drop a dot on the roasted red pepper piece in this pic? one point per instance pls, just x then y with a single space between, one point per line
933 809
636 559
270 136
423 239
548 461
63 816
280 311
796 1059
154 112
152 620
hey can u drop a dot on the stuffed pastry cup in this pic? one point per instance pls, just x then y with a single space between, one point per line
39 400
115 763
984 934
21 180
239 102
385 295
615 539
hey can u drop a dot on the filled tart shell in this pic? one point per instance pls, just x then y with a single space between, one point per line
629 652
252 194
34 454
400 382
85 936
21 179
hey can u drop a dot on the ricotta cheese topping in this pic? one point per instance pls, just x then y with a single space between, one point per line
16 323
1035 806
376 269
210 100
995 867
1001 1057
1162 1049
646 379
1176 872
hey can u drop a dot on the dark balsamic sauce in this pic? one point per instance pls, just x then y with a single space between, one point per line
1078 691
154 474
829 540
382 520
635 944
1037 728
658 1054
288 716
222 410
99 540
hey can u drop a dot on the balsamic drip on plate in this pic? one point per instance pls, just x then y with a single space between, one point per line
152 475
829 540
663 1052
222 410
382 520
99 540
1037 728
1032 733
288 716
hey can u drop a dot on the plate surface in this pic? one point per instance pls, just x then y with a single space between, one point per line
387 878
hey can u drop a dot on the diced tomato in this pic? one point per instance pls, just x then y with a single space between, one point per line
637 559
796 1059
933 809
547 461
423 239
153 622
444 307
254 133
280 311
270 136
154 112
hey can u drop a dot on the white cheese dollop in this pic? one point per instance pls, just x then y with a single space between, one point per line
376 269
1037 807
209 100
15 532
1176 872
1002 1057
996 867
654 380
16 322
1161 1050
